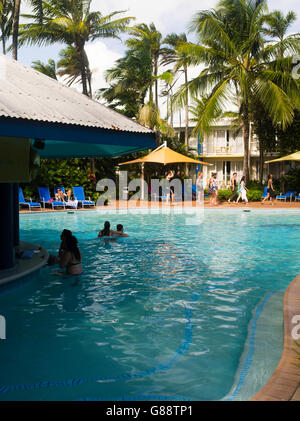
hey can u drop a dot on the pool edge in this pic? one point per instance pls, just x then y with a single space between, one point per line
284 384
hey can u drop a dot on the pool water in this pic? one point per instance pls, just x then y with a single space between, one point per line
161 315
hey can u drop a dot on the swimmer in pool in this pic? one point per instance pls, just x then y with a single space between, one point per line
70 257
120 231
107 232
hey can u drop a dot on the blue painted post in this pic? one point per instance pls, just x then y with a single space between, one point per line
16 214
199 167
7 253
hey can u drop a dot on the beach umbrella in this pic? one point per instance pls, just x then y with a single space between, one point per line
293 157
165 156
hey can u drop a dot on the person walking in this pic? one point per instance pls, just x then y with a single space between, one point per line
242 190
170 189
270 190
233 187
199 186
213 189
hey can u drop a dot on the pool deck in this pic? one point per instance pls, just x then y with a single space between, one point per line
115 205
284 384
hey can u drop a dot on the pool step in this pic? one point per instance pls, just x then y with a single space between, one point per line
263 348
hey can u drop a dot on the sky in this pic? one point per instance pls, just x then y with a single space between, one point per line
167 15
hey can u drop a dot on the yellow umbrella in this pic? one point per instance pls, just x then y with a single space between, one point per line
164 155
293 157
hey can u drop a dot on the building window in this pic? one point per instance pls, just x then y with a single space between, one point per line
226 171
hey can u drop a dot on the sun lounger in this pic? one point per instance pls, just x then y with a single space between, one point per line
46 199
79 196
297 197
288 195
30 204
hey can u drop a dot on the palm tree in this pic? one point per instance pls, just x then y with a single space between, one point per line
47 69
129 81
231 47
69 67
171 55
147 36
280 45
72 23
6 18
169 79
277 27
15 28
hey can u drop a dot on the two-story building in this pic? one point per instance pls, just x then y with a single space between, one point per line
224 149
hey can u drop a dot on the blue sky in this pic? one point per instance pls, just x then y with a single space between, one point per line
168 16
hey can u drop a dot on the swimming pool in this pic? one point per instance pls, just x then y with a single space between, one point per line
163 315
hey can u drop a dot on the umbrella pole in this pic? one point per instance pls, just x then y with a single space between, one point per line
142 181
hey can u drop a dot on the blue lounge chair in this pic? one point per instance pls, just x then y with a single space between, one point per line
288 195
46 199
297 197
79 195
265 193
30 204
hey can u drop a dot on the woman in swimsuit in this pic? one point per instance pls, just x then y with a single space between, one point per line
107 232
199 186
70 257
242 190
270 190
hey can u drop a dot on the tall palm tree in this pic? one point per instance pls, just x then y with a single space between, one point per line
48 69
69 67
72 23
280 44
277 29
129 81
6 19
231 47
147 36
171 55
15 28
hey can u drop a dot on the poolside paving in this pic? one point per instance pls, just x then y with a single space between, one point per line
121 204
284 384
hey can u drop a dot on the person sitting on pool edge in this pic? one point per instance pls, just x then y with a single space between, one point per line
70 256
120 231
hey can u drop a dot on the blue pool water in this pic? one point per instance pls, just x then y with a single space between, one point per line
162 315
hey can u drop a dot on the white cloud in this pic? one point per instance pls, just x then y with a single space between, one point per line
100 58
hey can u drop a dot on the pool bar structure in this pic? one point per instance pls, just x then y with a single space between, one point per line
41 118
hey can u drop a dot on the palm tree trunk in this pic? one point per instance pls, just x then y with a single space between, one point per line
15 32
246 131
156 81
261 163
186 136
3 40
82 55
151 94
85 79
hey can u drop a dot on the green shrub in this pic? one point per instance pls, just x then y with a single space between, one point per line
224 195
254 195
255 185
